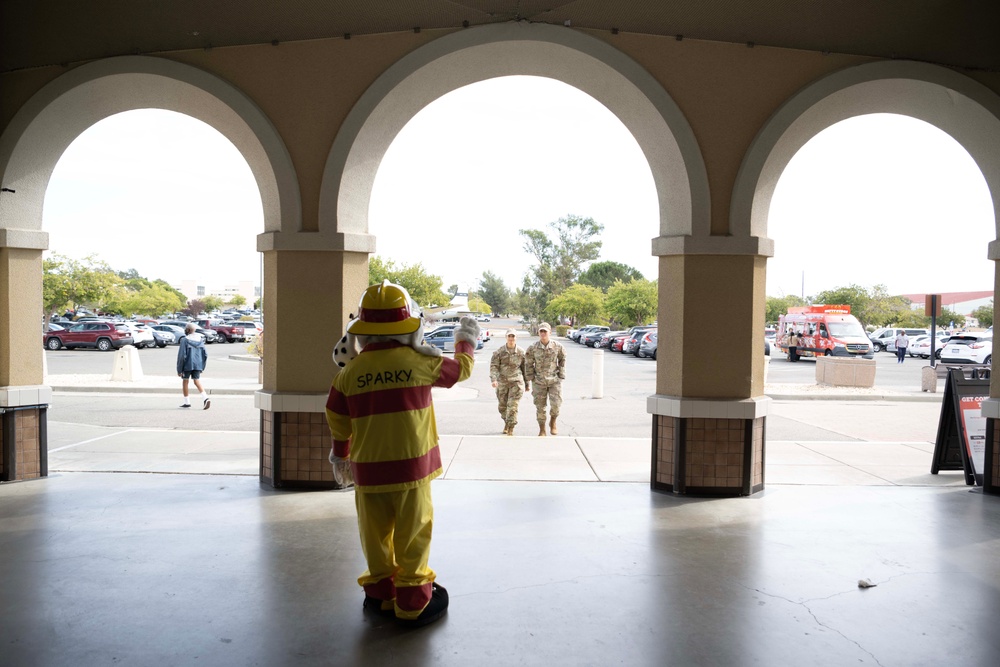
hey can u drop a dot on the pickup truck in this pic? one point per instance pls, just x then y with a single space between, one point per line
227 332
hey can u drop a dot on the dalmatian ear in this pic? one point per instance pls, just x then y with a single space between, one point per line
346 348
416 339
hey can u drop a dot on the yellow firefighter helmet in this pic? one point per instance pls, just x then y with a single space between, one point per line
385 310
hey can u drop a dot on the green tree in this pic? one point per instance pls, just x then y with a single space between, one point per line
581 303
152 299
632 303
495 293
477 305
604 274
873 307
948 316
70 283
778 306
423 287
212 302
561 257
983 314
238 300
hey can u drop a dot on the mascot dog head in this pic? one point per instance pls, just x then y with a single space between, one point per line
386 312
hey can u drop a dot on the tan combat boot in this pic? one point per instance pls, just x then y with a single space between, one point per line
541 428
509 430
552 426
506 429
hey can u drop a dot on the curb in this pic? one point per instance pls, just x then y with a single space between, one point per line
901 398
149 390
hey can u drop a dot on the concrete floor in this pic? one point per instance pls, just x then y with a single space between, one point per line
184 569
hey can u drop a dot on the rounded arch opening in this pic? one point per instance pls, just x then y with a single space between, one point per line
478 54
955 104
42 130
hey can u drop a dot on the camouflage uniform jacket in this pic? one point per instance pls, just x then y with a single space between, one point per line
507 366
545 364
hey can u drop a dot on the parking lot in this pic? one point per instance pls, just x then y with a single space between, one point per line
469 408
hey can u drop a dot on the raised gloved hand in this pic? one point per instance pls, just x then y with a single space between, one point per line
467 331
342 471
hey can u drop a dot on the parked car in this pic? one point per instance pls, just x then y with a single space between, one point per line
142 336
163 338
631 344
444 338
210 335
647 348
604 341
921 346
591 337
885 339
618 342
97 334
227 332
175 332
574 334
969 348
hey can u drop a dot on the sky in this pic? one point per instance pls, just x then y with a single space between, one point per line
878 199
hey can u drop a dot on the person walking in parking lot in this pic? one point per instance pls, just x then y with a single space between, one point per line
507 377
545 368
902 342
191 360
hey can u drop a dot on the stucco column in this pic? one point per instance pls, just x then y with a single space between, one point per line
312 283
709 410
23 399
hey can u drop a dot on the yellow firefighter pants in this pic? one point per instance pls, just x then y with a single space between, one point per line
395 529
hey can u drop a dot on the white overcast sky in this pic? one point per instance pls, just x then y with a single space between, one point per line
874 200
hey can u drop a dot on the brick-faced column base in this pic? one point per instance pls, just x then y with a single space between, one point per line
294 447
708 456
23 443
991 463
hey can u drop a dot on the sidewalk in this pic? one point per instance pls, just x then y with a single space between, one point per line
850 456
155 384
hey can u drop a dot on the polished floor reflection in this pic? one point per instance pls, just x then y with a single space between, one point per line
141 569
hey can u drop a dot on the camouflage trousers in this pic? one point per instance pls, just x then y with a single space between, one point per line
542 393
509 395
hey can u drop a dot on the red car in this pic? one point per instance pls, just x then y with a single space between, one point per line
102 335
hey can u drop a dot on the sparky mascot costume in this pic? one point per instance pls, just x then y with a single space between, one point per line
385 439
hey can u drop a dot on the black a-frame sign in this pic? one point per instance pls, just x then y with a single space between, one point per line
961 436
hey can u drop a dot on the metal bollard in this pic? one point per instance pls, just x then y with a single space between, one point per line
597 375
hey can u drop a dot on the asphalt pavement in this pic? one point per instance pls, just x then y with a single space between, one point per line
98 424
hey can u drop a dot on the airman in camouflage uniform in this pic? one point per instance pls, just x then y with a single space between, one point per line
545 366
507 377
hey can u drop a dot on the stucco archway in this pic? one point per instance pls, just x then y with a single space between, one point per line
467 57
956 104
43 128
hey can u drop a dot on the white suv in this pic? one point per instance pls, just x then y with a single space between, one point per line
969 348
142 336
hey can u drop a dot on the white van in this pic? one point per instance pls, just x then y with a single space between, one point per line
884 339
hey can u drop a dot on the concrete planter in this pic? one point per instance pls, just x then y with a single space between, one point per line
845 372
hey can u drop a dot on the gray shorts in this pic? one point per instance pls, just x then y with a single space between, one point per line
196 375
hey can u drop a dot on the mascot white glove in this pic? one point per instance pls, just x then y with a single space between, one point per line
467 331
342 471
